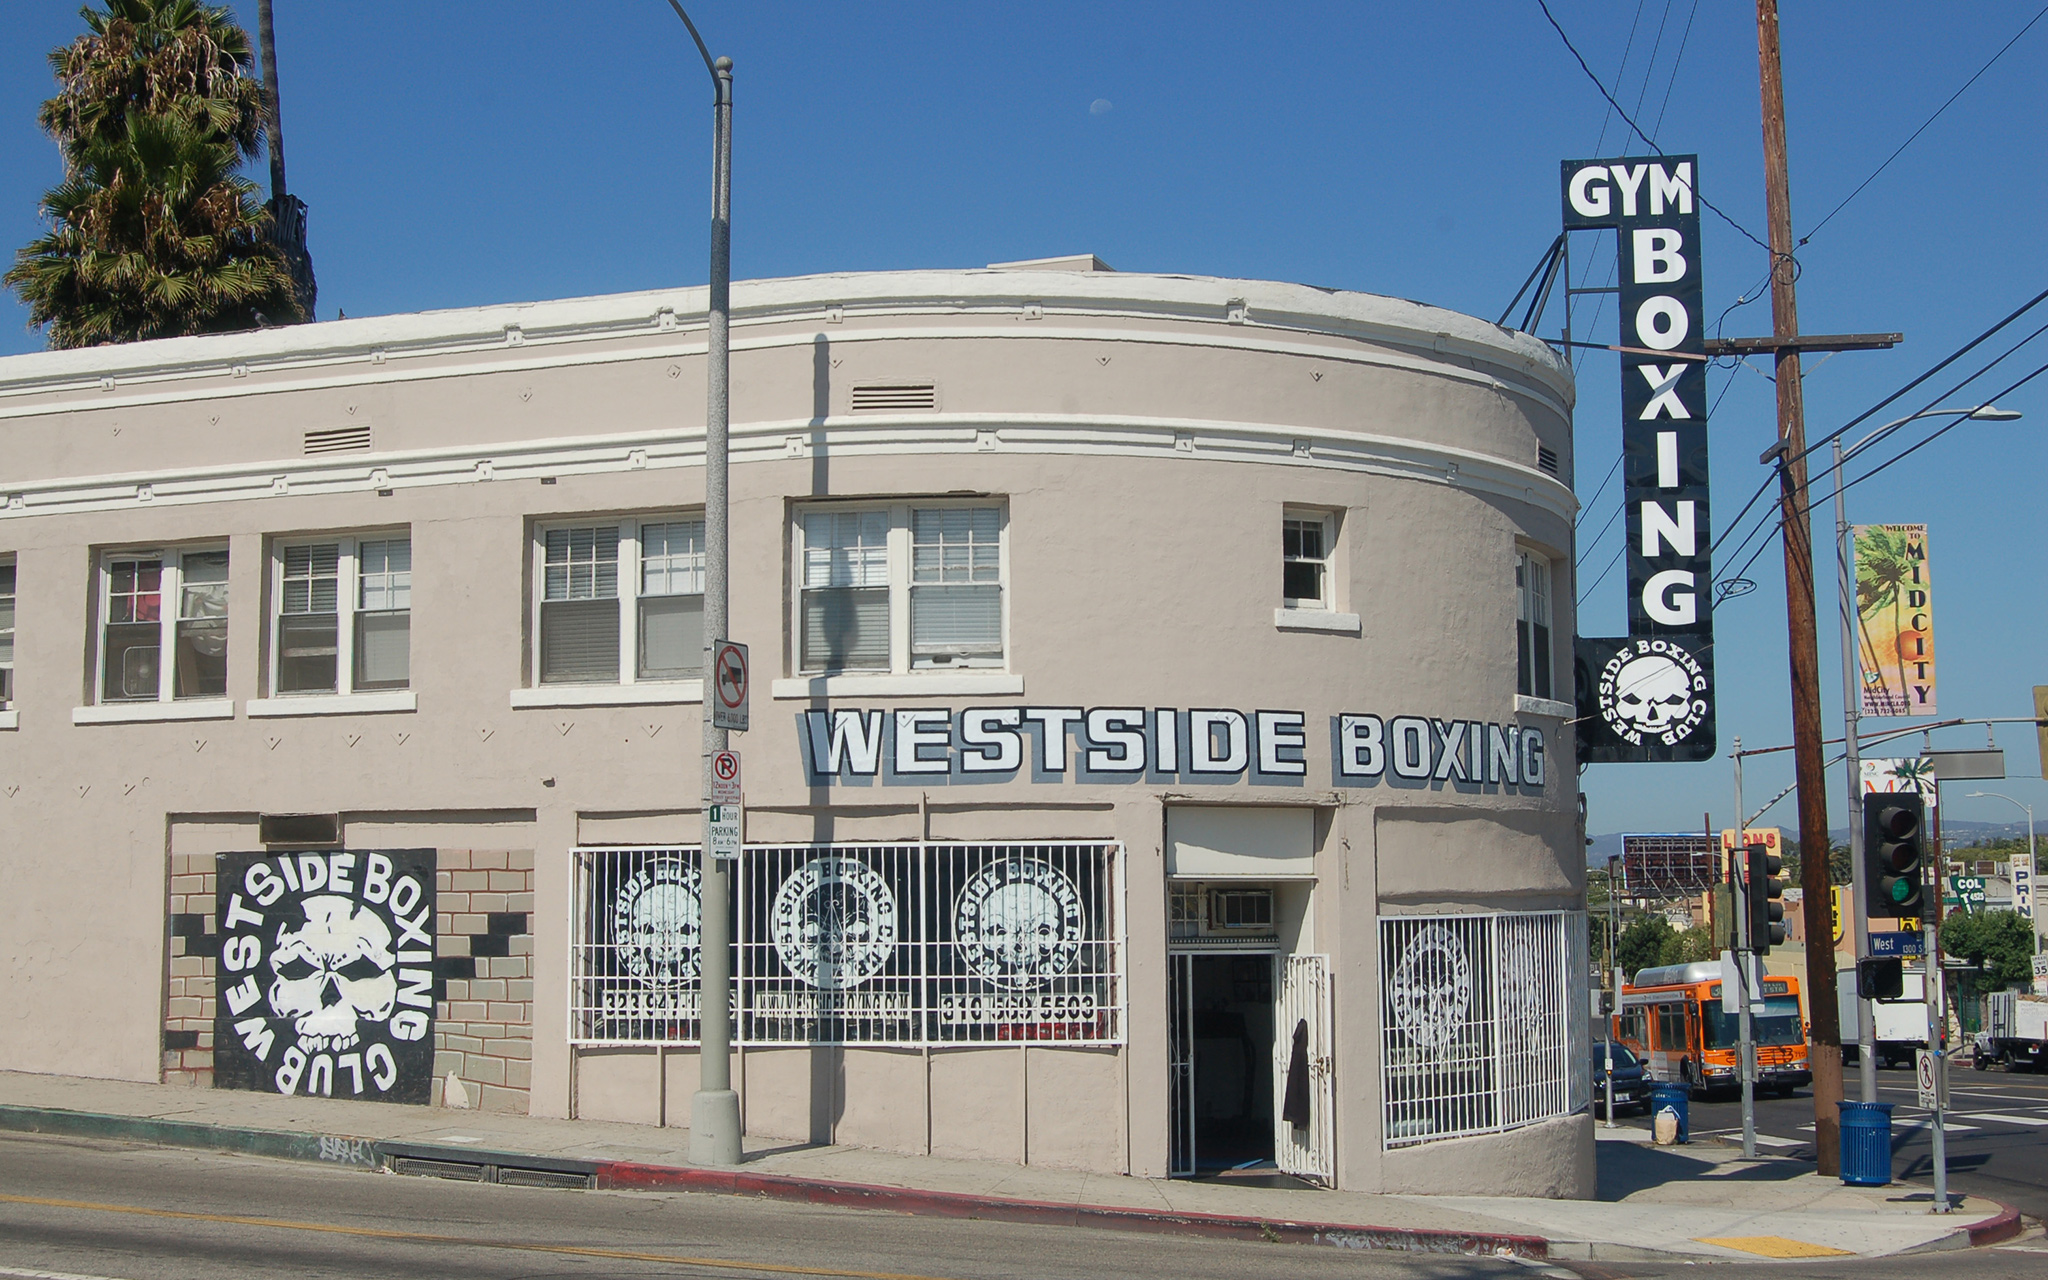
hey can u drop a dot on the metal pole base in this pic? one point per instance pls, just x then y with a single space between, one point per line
715 1128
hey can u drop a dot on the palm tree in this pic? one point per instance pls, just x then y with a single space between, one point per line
157 235
154 232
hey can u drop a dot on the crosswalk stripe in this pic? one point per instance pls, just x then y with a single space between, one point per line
1996 1118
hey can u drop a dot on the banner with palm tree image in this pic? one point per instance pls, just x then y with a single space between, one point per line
1894 620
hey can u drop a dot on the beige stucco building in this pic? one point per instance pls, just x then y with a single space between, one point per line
1158 755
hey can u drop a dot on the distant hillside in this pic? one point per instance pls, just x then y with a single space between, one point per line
1955 833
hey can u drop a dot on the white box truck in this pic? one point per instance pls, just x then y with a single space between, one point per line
1901 1025
2015 1031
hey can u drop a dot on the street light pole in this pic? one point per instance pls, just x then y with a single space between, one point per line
2032 866
1852 714
715 1109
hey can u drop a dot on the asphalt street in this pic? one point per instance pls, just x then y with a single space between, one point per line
80 1208
1996 1129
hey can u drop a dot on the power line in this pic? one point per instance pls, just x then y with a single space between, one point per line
1924 126
1647 139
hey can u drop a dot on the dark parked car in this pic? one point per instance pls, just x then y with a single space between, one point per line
1631 1083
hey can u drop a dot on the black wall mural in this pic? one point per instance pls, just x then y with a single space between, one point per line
326 977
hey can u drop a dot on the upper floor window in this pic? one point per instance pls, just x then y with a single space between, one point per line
1532 625
343 615
6 634
620 601
158 601
900 587
1305 540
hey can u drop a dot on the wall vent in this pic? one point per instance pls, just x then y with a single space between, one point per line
895 397
1546 459
338 439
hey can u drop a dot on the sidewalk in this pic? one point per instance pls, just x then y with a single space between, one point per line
1702 1201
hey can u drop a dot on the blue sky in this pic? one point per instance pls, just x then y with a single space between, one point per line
460 153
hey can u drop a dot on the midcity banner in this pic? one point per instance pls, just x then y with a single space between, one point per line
1894 620
1649 695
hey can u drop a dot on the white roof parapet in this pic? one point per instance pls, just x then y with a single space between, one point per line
1256 304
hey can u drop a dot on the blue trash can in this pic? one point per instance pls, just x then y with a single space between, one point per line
1674 1096
1866 1143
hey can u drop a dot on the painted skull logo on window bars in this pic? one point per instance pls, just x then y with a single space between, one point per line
657 923
834 923
1018 923
1430 989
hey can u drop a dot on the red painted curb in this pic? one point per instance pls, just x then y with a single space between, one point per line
1993 1230
625 1175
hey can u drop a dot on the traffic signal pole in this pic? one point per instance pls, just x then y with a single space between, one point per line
1745 1062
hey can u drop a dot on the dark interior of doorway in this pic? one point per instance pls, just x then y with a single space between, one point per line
1232 1006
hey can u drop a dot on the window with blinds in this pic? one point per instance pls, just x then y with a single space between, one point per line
956 591
845 603
621 602
900 588
343 615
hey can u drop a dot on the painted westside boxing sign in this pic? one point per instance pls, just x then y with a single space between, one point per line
1102 744
1650 696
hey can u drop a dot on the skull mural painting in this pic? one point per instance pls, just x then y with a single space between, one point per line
326 974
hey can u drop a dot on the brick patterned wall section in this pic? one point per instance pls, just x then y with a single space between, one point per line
483 1028
188 1007
483 974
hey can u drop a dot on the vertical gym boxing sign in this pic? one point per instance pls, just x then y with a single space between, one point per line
1650 695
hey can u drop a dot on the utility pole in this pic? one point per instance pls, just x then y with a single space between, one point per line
1809 770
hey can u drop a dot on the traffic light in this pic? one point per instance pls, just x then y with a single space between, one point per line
1763 895
1892 853
1880 978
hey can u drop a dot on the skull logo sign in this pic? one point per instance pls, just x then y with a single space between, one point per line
656 923
326 973
1429 990
834 922
1018 922
333 973
1649 690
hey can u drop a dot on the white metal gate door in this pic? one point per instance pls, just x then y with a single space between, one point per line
1306 1150
1180 1063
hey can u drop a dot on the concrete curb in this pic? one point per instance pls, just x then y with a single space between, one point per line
2004 1226
320 1148
622 1175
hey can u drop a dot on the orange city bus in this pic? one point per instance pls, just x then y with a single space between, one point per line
1671 1016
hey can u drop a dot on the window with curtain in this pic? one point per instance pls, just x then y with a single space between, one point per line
956 588
137 629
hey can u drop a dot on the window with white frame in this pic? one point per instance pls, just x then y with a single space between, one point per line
157 601
342 617
620 601
1305 544
6 633
901 587
1532 625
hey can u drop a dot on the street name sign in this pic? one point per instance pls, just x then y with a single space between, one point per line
1898 944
